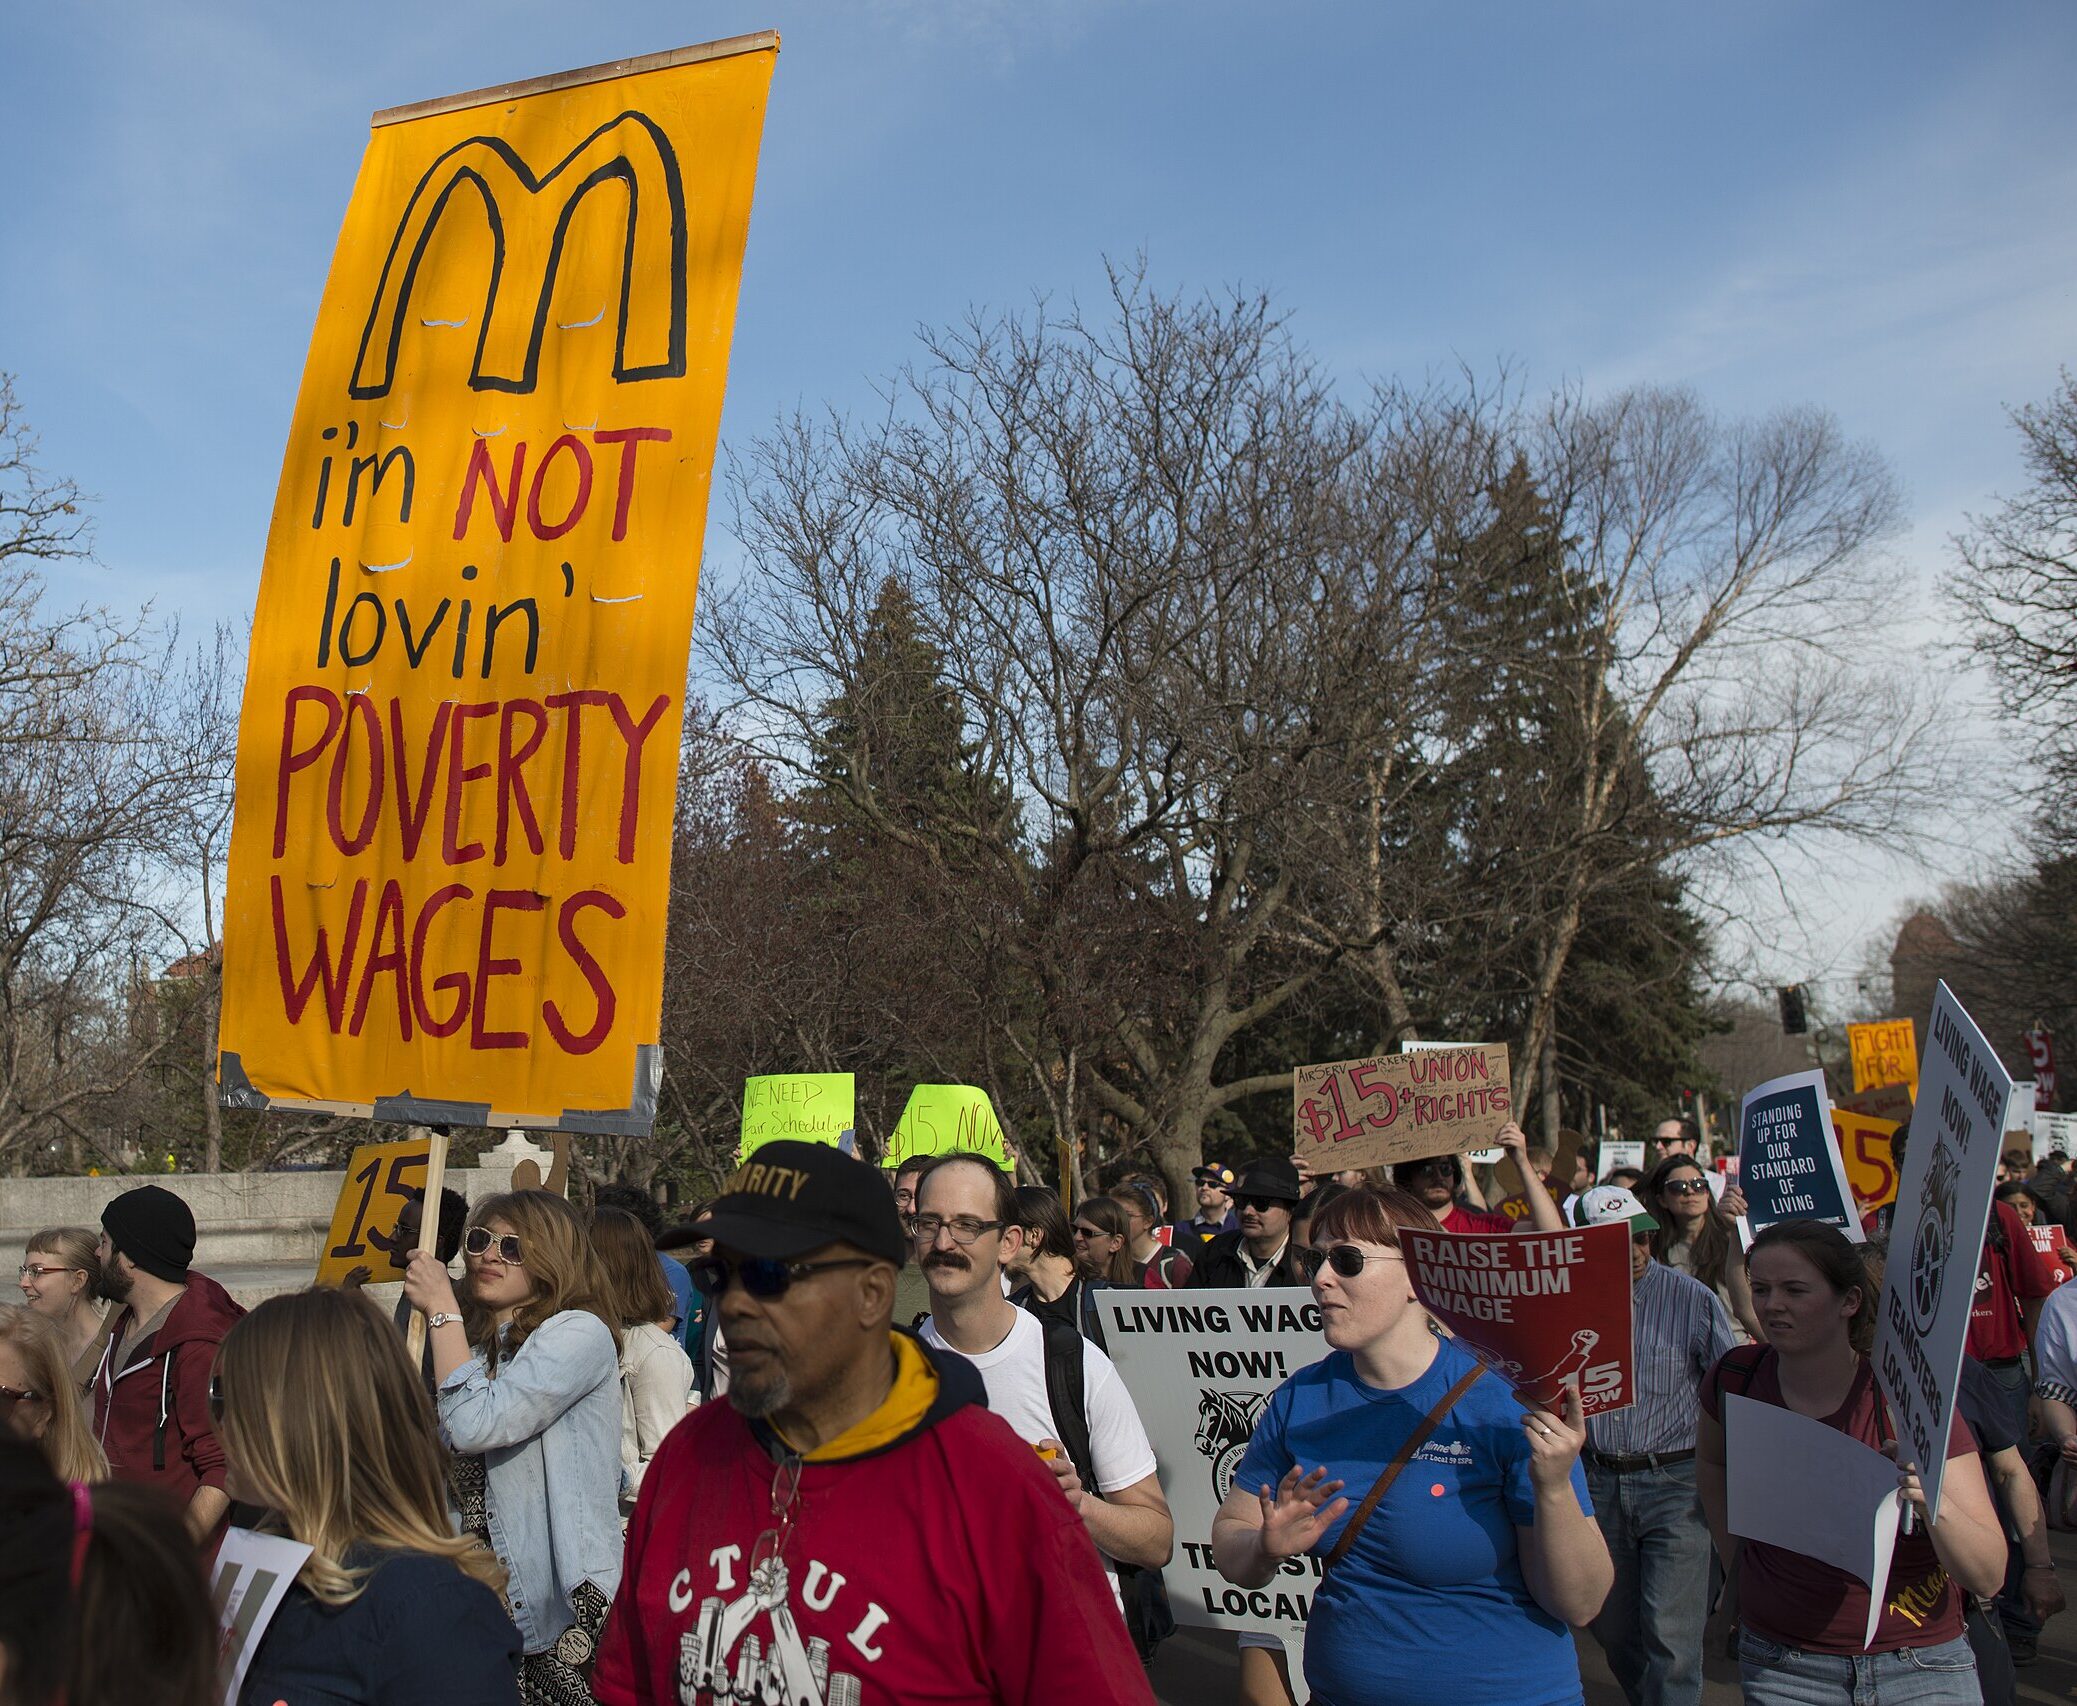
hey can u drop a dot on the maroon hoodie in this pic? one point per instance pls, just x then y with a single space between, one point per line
152 1415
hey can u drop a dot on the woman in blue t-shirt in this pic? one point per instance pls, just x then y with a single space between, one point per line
327 1427
1483 1548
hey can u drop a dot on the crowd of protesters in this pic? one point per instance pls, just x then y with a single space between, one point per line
824 1442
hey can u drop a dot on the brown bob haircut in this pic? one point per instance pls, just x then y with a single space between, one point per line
1371 1214
630 1268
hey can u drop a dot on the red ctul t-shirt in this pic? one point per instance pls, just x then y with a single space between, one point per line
944 1570
1802 1602
1462 1219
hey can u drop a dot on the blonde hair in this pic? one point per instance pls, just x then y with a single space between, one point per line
76 1246
327 1423
67 1444
559 1262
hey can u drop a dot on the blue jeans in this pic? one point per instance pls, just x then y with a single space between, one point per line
1650 1625
1911 1676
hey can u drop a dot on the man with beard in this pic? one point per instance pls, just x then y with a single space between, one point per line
852 1527
151 1390
965 1224
1436 1180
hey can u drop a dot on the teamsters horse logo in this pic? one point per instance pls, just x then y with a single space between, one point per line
1225 1423
1932 1240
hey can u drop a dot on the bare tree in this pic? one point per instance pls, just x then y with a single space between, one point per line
2017 596
1114 532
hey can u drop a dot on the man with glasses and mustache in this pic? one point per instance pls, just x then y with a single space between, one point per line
852 1527
1436 1180
965 1224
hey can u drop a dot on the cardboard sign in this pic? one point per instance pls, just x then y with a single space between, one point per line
1788 1163
1886 1102
1795 1482
457 758
2054 1132
1936 1240
1199 1369
1621 1152
808 1107
1864 1151
252 1577
941 1118
1538 1308
2049 1241
1400 1107
1885 1053
1508 1187
380 1178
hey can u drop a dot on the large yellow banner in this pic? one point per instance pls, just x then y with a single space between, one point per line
458 753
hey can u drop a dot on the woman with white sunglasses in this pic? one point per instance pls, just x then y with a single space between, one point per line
528 1367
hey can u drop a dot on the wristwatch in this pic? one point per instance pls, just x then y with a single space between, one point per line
441 1319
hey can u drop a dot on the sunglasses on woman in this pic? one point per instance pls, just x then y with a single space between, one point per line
760 1276
1087 1232
1685 1187
479 1239
1348 1259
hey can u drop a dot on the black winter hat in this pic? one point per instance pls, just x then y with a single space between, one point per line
154 1228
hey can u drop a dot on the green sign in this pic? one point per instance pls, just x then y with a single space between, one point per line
943 1117
809 1107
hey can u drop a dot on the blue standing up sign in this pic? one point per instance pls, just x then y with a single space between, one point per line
1788 1159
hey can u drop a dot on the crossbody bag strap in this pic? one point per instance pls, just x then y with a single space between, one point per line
1414 1441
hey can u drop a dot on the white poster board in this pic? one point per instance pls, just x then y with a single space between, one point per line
253 1575
1621 1152
1200 1365
1792 1481
1936 1240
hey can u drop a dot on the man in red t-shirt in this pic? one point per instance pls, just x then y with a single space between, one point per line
852 1527
1437 1180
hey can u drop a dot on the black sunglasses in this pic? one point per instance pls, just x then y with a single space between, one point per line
478 1239
760 1276
1258 1204
1685 1187
1348 1259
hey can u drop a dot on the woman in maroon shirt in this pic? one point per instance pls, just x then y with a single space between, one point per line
1800 1620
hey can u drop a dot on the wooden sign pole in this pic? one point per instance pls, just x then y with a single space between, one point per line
428 1225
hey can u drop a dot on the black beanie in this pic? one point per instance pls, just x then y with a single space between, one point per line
154 1228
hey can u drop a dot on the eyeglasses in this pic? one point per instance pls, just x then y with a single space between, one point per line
761 1276
1258 1204
1685 1187
1085 1233
10 1396
478 1240
216 1399
39 1270
924 1228
1348 1259
1440 1164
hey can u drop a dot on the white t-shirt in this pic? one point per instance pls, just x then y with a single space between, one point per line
1015 1375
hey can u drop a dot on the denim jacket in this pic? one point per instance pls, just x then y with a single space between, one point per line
548 1430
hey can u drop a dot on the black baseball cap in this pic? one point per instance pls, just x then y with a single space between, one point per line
1211 1173
789 1198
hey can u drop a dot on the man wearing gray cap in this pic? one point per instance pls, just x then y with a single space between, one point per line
1640 1466
151 1390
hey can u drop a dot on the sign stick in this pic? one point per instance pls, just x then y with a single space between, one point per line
428 1225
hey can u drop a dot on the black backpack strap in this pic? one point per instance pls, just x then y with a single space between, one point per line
1066 1397
1092 1320
1746 1368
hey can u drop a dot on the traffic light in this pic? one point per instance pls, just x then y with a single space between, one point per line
1795 1020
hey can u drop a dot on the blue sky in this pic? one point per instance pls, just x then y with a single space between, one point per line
1868 207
